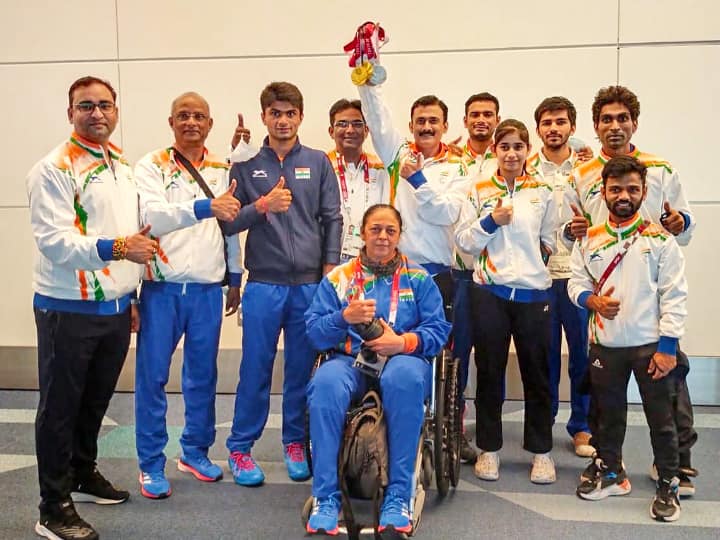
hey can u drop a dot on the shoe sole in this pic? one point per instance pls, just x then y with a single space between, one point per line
391 533
43 531
333 532
254 484
154 496
616 490
686 491
668 519
184 467
584 451
543 481
80 497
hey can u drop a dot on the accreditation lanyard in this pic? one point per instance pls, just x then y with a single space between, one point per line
619 257
359 281
343 182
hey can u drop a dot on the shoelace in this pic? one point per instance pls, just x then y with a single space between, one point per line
296 452
243 461
395 504
326 507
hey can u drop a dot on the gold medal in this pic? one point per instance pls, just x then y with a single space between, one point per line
361 73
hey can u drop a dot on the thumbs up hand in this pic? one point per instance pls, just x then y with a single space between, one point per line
579 223
278 199
672 220
140 248
502 214
226 206
241 132
606 306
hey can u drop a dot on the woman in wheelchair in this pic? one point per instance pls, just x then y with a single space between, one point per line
380 285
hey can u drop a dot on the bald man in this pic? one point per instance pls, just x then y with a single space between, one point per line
182 293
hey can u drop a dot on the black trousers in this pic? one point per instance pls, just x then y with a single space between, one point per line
682 412
609 370
79 362
495 321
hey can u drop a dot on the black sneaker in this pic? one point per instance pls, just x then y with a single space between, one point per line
666 506
592 470
95 488
61 522
605 483
467 452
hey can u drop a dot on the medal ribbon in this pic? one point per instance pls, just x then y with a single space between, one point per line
359 282
619 257
343 182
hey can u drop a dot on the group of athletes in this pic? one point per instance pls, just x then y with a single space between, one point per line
522 244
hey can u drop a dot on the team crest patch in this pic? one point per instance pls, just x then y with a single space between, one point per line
259 173
302 173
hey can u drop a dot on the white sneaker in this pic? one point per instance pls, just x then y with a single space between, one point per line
487 466
543 469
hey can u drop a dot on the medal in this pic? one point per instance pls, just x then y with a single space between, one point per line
362 73
378 75
364 57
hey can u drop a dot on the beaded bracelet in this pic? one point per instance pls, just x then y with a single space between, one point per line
119 248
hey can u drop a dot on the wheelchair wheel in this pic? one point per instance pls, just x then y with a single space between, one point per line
442 463
454 420
307 508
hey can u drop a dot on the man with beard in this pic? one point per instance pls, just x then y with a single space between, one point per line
554 123
615 113
291 210
362 178
182 292
637 298
482 115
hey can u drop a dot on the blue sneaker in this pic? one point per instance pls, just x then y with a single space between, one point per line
200 467
324 517
296 462
154 485
395 514
245 470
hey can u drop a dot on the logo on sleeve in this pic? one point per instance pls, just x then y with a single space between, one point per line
596 257
302 173
259 173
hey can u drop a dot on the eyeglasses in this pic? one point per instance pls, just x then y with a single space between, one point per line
185 116
88 107
344 124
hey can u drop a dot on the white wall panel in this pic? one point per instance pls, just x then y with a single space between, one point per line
643 21
36 119
518 79
35 30
179 29
678 89
17 323
702 261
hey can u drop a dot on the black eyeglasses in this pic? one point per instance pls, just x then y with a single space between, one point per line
185 116
344 124
89 106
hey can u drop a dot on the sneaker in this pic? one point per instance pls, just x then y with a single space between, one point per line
395 514
686 488
324 517
200 467
581 442
245 469
154 485
97 489
604 484
543 469
665 505
61 522
296 462
591 471
467 452
487 466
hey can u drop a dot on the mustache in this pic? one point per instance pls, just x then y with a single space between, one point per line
427 132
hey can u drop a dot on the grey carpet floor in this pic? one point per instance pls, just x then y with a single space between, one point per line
509 508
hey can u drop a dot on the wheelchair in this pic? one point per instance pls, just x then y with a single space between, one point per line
438 450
